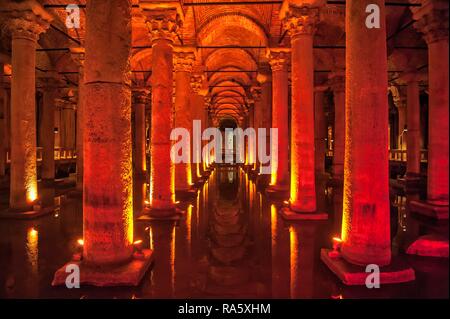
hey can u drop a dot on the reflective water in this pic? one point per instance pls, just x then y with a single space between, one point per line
231 244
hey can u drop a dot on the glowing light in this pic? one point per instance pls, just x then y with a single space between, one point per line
32 248
32 193
80 242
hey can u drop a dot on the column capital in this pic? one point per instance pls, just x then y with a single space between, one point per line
26 20
164 18
336 81
278 58
140 95
300 20
256 91
196 82
183 59
431 19
77 55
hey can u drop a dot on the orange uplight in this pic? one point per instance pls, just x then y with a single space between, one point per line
337 239
80 242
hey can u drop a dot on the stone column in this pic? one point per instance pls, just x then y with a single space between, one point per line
320 130
163 26
3 136
108 182
365 225
432 20
257 121
300 22
50 83
183 60
413 120
264 79
279 59
140 100
78 58
337 82
25 25
197 108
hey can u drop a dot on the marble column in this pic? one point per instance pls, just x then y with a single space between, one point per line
77 55
140 100
108 182
163 26
25 26
365 224
183 61
320 130
264 79
257 121
413 124
50 91
432 20
300 22
337 83
279 59
197 108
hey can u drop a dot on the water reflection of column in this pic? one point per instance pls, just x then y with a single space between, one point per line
280 260
302 260
163 242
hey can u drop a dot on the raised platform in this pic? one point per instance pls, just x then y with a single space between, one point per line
36 212
429 210
354 275
430 246
129 274
161 214
277 192
291 215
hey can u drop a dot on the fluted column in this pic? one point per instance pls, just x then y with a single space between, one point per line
50 83
432 20
279 59
365 226
108 180
163 26
300 22
77 55
320 129
25 26
337 82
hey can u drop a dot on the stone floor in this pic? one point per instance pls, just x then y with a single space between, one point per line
231 244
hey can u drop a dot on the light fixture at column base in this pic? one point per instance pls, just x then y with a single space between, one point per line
150 214
354 275
291 215
34 212
129 274
429 209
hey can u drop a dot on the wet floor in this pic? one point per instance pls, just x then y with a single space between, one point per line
231 244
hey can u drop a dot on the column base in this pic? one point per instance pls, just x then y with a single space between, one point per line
439 212
291 215
150 214
129 274
34 212
277 192
354 275
429 246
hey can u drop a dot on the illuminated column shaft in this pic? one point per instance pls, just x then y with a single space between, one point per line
338 86
320 128
47 129
108 183
413 120
23 184
183 61
365 225
140 100
162 173
197 109
300 23
79 60
3 136
257 120
433 22
279 63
